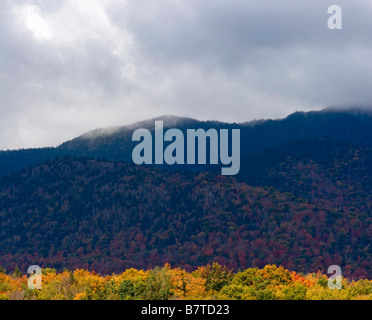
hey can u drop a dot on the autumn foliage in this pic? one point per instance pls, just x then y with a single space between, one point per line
163 283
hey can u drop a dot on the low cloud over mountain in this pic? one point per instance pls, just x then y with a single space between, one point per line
68 67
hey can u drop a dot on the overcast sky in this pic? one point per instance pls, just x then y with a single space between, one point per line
70 66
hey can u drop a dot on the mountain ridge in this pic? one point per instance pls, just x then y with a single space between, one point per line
351 127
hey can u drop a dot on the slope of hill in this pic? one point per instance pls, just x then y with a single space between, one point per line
301 167
302 199
352 127
107 216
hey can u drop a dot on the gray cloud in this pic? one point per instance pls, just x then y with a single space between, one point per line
231 33
67 67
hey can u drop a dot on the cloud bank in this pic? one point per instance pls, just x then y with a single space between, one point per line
71 66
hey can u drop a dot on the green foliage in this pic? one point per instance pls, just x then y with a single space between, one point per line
17 272
234 292
216 276
297 292
112 291
30 294
263 294
323 282
3 297
248 277
5 286
158 284
46 271
126 290
360 288
261 278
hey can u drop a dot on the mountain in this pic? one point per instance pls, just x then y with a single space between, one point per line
354 126
302 199
348 126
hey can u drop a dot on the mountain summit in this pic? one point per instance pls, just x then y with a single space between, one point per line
115 143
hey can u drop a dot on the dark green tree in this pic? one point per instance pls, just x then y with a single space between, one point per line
126 290
216 276
17 272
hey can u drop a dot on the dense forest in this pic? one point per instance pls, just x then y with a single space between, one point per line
209 282
302 200
107 216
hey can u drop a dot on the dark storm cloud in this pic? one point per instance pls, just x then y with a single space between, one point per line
70 66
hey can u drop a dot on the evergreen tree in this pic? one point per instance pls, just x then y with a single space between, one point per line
17 272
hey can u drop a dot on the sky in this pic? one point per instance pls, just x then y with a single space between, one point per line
67 67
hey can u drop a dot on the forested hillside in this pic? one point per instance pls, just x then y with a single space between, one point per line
106 216
302 199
